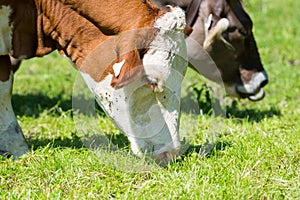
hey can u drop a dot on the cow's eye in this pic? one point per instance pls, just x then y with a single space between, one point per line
243 32
231 29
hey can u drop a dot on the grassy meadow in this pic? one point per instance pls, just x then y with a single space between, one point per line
257 154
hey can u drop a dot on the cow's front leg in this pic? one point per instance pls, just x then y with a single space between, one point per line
12 140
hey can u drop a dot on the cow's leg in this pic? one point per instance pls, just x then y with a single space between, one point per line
12 140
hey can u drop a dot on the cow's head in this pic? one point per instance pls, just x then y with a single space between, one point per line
229 40
136 78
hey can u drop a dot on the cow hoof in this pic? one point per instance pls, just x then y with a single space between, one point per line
12 142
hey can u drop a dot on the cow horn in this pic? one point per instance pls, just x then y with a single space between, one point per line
208 24
216 33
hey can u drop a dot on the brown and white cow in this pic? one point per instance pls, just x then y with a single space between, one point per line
224 29
136 77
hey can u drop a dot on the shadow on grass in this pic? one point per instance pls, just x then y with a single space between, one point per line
253 115
219 146
119 140
34 104
73 142
198 101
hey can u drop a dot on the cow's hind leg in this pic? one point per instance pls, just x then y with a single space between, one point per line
12 141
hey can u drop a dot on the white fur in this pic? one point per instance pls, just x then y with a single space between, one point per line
150 119
254 84
6 116
159 55
117 67
11 136
5 30
174 20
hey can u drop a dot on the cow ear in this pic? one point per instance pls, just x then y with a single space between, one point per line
128 68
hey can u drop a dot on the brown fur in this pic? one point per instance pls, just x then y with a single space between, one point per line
115 16
131 69
77 27
6 69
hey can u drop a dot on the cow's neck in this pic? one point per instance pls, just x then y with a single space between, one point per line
65 28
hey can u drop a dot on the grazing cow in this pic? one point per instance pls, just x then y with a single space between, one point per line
224 29
131 54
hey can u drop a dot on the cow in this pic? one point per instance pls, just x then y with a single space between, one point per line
140 63
224 30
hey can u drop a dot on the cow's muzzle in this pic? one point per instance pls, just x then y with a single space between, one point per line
253 89
167 157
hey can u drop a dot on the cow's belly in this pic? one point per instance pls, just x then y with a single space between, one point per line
5 31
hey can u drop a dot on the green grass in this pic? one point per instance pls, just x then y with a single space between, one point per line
257 155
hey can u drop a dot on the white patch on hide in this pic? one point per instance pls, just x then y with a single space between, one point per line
150 119
145 131
174 20
11 136
117 67
5 105
5 30
164 48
